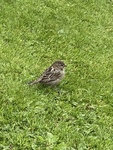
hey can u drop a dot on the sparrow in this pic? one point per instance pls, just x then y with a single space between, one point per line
52 75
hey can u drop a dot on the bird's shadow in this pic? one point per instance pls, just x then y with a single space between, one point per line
42 87
47 89
56 93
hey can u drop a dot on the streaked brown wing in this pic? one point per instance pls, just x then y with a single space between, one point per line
50 75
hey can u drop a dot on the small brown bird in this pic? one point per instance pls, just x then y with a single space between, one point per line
52 75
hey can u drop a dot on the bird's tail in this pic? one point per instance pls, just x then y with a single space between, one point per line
33 82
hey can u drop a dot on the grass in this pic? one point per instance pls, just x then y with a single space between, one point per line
33 35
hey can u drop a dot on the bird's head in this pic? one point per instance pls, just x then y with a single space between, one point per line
59 64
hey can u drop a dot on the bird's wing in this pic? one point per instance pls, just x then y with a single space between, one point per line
49 75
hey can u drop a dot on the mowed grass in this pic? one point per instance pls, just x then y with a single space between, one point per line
33 34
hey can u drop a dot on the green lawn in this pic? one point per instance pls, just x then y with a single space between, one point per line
35 33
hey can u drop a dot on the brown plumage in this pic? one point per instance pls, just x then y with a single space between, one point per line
52 75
